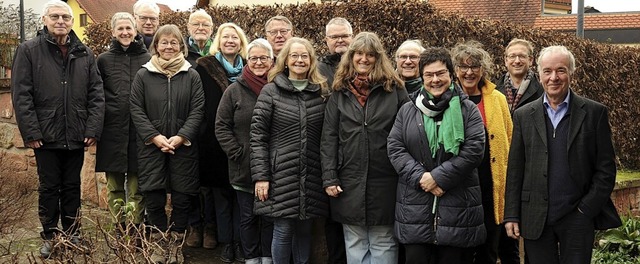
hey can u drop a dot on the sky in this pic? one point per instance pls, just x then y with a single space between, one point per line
602 5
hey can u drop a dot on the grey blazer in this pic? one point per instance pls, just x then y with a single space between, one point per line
592 165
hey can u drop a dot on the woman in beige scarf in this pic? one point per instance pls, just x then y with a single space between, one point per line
167 108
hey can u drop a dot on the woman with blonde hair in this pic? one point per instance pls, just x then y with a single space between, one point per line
166 107
285 150
218 70
357 173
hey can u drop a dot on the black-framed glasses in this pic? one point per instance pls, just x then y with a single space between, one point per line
428 76
262 59
56 17
473 68
343 36
281 31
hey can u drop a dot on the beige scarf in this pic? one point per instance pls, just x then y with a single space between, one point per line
168 67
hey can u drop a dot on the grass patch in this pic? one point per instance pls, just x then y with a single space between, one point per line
627 176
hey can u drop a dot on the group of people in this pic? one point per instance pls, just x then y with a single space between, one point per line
424 161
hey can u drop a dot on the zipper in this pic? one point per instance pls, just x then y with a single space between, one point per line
169 115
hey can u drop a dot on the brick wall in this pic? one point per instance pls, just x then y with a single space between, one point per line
18 162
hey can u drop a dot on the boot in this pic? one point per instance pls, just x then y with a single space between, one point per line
175 248
194 237
209 239
227 253
237 251
157 244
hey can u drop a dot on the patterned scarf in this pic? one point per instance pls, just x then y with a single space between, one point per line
232 71
360 88
447 132
168 67
514 94
205 50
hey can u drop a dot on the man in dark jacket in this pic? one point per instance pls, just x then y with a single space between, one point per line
199 41
339 36
147 15
561 168
59 104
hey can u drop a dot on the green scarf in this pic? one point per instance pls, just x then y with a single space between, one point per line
451 131
204 51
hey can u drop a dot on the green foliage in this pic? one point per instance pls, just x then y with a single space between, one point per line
606 73
619 245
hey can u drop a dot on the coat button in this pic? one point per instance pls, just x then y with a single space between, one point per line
492 136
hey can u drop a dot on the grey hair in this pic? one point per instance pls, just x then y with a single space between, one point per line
558 50
146 4
279 18
200 13
412 43
260 43
122 16
338 21
56 3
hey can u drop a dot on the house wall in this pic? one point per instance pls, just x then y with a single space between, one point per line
77 11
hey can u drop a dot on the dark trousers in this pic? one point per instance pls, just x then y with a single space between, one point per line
509 249
335 241
487 253
570 240
432 254
59 189
202 208
256 232
227 214
155 202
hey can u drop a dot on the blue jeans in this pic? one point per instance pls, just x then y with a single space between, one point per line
370 244
291 236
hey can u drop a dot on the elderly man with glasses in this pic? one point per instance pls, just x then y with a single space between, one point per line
199 41
278 29
339 36
59 105
147 14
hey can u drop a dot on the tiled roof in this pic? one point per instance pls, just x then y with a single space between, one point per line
528 13
102 10
591 21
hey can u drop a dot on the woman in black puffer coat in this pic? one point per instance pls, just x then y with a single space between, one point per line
285 150
436 144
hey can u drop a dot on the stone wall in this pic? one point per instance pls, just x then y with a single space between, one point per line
626 197
18 162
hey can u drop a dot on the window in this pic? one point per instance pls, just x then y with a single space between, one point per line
83 20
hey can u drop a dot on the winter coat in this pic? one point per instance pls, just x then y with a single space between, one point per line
214 168
354 155
233 123
56 100
327 65
116 150
533 92
285 150
458 220
169 107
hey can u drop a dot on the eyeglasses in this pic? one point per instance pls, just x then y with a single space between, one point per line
145 18
56 17
204 25
295 57
428 76
172 44
262 59
465 68
336 37
413 58
275 32
513 57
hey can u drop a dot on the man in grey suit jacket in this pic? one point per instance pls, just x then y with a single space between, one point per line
561 168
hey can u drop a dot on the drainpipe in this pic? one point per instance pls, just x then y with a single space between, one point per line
580 26
21 21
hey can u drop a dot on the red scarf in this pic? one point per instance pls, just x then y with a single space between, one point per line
360 88
255 82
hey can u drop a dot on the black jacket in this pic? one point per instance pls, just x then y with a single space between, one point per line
354 155
458 220
285 150
533 92
327 65
169 107
233 123
214 170
116 150
59 101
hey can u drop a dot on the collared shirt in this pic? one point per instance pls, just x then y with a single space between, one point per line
556 115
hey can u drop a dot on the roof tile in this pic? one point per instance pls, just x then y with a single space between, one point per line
102 10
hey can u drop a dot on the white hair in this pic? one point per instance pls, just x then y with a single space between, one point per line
145 4
55 3
339 21
561 50
200 13
260 43
412 43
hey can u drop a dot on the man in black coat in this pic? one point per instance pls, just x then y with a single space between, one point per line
561 168
59 104
339 36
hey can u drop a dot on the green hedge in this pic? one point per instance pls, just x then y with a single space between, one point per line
605 73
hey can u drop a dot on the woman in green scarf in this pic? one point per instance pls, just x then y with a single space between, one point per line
435 145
